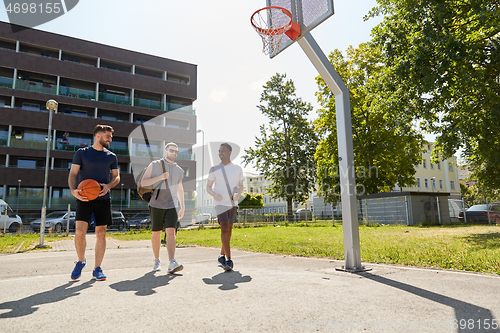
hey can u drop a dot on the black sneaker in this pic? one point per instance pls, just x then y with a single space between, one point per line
222 261
229 265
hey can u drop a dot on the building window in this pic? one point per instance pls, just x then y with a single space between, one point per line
424 163
432 166
439 165
452 184
433 181
419 185
450 167
426 183
429 147
440 184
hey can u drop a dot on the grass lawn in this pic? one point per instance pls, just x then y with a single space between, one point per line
11 243
471 248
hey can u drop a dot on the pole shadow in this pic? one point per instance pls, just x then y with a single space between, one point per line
228 280
29 305
465 313
145 285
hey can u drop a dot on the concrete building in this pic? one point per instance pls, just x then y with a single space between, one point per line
442 177
93 84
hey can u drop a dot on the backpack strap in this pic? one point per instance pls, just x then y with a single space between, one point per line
166 180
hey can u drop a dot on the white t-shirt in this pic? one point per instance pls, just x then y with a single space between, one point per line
234 175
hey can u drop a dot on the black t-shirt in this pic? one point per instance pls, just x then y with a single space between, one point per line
95 164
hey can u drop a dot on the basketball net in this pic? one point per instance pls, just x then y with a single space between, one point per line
271 23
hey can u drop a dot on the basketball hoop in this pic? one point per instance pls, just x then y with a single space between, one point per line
272 23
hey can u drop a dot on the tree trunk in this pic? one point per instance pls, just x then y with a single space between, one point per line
289 209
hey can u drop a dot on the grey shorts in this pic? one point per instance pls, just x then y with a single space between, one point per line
227 214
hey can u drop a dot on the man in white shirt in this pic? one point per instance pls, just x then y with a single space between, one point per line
228 179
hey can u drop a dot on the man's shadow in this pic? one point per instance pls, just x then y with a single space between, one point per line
29 305
464 311
145 285
228 280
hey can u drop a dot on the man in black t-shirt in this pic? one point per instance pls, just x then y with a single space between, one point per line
96 163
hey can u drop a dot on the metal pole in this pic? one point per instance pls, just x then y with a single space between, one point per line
439 210
488 211
5 221
51 106
202 166
67 223
463 209
121 198
18 195
345 148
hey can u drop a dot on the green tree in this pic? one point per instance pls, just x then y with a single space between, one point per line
443 69
252 201
386 146
284 152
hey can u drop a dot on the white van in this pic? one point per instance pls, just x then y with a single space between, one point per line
14 222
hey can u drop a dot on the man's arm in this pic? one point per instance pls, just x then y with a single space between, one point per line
73 182
180 195
147 180
115 179
240 190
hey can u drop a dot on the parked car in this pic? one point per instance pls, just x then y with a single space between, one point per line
302 214
118 222
141 220
13 220
204 218
479 214
57 221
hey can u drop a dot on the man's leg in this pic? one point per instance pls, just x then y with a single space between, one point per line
156 243
80 239
100 245
226 230
170 232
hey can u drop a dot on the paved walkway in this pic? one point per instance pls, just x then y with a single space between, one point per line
265 293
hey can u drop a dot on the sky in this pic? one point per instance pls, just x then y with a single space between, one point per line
216 36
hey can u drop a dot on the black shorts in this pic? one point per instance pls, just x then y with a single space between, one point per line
163 218
100 208
226 214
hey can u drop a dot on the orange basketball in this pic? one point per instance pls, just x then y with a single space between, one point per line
89 188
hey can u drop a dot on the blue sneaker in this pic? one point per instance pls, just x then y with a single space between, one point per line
229 265
98 275
77 272
222 261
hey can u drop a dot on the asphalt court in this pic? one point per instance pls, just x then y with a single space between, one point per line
264 293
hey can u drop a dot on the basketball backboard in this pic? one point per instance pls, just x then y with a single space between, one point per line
308 13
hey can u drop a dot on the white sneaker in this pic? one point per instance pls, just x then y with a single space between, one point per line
157 266
174 266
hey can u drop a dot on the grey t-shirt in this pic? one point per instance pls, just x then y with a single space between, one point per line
167 197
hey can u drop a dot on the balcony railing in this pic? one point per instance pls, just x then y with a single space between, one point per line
159 154
23 143
3 141
62 145
5 82
119 150
44 88
77 93
181 108
116 99
146 103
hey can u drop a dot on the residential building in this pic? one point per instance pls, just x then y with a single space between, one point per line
440 177
93 84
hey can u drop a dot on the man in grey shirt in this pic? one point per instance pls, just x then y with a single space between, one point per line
166 178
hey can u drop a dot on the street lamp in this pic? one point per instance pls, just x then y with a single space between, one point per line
202 166
121 199
51 105
18 195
